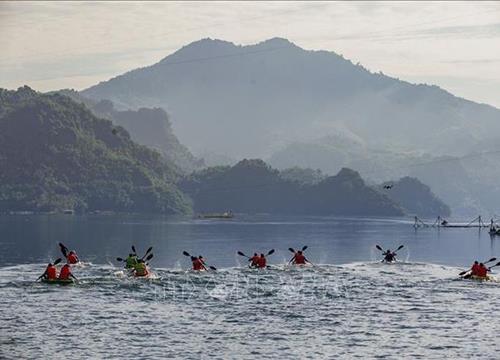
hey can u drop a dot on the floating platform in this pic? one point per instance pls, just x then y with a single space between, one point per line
442 223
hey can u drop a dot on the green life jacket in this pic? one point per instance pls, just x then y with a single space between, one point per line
131 261
140 268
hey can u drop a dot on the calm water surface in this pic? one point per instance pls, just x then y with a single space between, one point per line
348 306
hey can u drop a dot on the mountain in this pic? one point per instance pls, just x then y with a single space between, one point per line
248 101
57 155
415 197
149 127
252 186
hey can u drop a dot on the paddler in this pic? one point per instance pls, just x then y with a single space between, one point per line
474 270
254 260
65 273
389 256
198 263
131 261
50 272
140 268
482 271
299 258
72 258
261 261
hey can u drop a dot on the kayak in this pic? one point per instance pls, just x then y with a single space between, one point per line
148 275
480 278
58 281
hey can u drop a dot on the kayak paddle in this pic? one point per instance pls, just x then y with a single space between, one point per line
133 249
147 252
497 264
241 254
270 252
64 249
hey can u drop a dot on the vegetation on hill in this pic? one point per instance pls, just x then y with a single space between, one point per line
55 154
415 197
147 126
252 186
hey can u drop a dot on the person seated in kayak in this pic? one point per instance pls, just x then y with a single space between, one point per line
130 261
197 263
140 268
254 260
261 262
50 272
389 256
474 270
72 258
482 270
299 258
65 273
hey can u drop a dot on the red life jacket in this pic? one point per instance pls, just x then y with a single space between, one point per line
261 262
65 272
51 272
299 259
254 260
475 269
72 258
198 265
482 271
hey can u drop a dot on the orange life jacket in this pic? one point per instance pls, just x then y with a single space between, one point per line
72 258
261 262
299 259
198 265
51 272
65 272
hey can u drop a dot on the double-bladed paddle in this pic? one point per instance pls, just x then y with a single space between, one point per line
270 252
380 248
185 253
133 249
293 250
497 264
490 260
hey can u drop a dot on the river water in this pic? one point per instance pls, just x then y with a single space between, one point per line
347 306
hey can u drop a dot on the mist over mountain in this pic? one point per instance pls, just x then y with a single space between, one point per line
414 196
250 100
315 109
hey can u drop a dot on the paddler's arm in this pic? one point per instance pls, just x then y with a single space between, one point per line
41 276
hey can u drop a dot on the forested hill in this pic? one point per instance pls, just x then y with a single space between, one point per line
147 126
416 197
55 154
252 186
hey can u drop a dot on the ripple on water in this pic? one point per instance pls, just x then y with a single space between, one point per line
355 310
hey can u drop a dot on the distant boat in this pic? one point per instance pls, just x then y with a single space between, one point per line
68 211
224 215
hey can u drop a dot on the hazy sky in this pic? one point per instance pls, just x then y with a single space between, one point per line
54 45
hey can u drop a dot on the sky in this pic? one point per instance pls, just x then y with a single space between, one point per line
54 45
